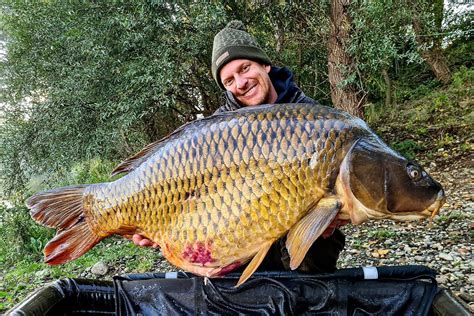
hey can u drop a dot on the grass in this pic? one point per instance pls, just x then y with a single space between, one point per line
381 234
25 275
454 215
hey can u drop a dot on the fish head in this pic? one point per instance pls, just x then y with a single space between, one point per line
376 182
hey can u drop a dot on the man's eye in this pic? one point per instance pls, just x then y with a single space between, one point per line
228 83
246 68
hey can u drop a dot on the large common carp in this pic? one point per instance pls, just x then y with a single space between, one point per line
220 191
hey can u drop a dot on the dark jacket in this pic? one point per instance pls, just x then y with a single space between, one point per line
323 254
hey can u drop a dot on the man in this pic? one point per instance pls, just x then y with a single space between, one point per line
244 71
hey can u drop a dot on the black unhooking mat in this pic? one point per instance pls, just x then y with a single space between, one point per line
405 290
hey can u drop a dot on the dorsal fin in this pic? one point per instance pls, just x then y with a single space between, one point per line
131 163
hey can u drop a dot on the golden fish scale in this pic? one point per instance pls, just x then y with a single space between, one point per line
229 185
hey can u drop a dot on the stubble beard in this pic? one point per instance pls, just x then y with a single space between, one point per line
264 100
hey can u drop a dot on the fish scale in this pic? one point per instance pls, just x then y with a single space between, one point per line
219 191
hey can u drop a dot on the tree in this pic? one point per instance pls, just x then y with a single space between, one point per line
378 45
89 79
341 65
427 22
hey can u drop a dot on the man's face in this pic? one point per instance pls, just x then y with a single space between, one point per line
249 82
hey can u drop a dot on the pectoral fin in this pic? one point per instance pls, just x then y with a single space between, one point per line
302 235
256 261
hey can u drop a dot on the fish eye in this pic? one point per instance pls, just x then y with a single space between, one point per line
414 172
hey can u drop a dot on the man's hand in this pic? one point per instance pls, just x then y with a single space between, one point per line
139 240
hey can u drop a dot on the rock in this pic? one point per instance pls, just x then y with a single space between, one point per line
100 268
438 247
442 279
445 256
466 297
419 258
471 278
463 251
444 270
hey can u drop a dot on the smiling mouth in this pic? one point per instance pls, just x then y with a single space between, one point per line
251 88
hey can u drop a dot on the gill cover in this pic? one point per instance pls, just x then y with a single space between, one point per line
385 182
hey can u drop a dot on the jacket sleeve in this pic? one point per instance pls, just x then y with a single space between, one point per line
300 97
230 104
220 109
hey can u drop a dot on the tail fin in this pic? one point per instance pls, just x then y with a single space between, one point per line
62 209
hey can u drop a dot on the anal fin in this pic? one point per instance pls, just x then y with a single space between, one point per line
256 261
304 233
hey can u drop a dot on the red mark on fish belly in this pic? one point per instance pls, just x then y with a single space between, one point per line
198 253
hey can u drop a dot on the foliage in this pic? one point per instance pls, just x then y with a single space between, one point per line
19 237
104 80
462 77
95 170
407 148
379 43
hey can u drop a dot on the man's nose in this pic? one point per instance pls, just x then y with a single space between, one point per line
240 81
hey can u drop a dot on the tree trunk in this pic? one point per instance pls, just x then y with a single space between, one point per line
388 88
340 63
430 46
279 37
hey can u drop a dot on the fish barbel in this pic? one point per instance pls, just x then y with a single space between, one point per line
219 191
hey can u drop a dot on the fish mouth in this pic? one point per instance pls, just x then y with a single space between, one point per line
430 212
436 206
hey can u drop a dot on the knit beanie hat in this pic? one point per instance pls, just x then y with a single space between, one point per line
231 43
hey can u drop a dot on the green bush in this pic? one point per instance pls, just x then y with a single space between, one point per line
95 170
20 236
373 112
463 76
407 92
407 148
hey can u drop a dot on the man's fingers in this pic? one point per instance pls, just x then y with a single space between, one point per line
145 243
139 240
136 238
